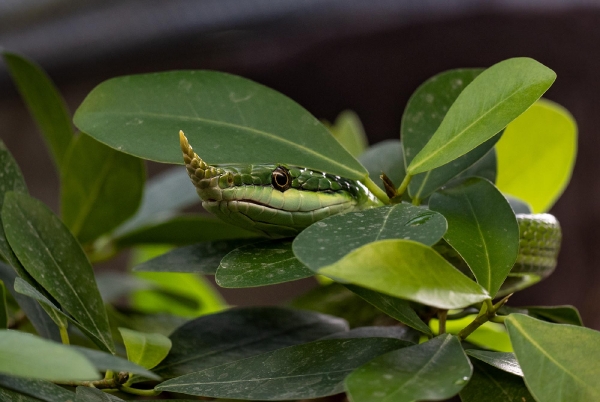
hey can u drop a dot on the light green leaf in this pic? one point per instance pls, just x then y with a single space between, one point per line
434 370
491 335
392 306
349 132
408 270
229 119
504 361
492 385
559 361
101 188
307 371
536 155
40 389
482 228
26 355
105 361
53 257
144 349
260 264
495 98
44 102
328 240
385 157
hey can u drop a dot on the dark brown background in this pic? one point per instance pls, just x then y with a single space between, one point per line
368 59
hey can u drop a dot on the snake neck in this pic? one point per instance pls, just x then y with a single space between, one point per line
276 200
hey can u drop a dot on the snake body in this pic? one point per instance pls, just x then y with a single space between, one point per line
279 201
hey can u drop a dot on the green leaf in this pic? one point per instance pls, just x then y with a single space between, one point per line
144 349
101 188
12 396
87 394
260 264
26 355
183 230
543 352
482 228
234 120
557 314
518 206
40 320
217 339
536 155
491 335
328 240
349 132
434 370
3 307
306 371
408 270
492 385
396 332
55 314
491 101
501 360
203 258
485 168
44 102
105 361
40 389
385 157
392 306
53 257
158 202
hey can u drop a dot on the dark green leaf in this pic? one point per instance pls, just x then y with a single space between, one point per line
203 258
183 230
234 120
306 371
518 206
482 228
53 257
105 361
349 132
3 307
385 157
492 385
43 390
145 349
569 354
101 188
501 360
56 314
26 355
396 331
558 314
434 370
87 394
217 339
261 264
394 307
491 101
485 167
326 241
408 270
44 102
12 396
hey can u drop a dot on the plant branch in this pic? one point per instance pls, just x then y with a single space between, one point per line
442 314
487 313
404 185
376 190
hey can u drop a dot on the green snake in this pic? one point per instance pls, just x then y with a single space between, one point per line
279 201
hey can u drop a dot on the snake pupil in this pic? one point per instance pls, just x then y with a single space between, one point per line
280 179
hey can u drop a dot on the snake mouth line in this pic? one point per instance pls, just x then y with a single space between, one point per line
246 201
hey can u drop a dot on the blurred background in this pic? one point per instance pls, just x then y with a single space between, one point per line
328 55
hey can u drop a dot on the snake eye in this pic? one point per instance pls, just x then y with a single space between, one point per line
281 179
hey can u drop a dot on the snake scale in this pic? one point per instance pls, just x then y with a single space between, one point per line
279 201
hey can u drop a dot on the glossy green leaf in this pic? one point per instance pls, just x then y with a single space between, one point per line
53 257
44 102
396 332
392 306
40 389
536 155
567 353
261 264
217 339
87 394
501 360
144 349
328 240
40 320
202 258
492 385
228 119
492 100
408 270
55 314
105 361
101 188
385 157
306 371
485 167
434 370
349 132
159 203
3 307
482 228
26 355
183 230
12 396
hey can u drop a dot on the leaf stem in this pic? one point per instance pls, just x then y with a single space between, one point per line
487 313
442 314
376 190
137 391
404 185
64 335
